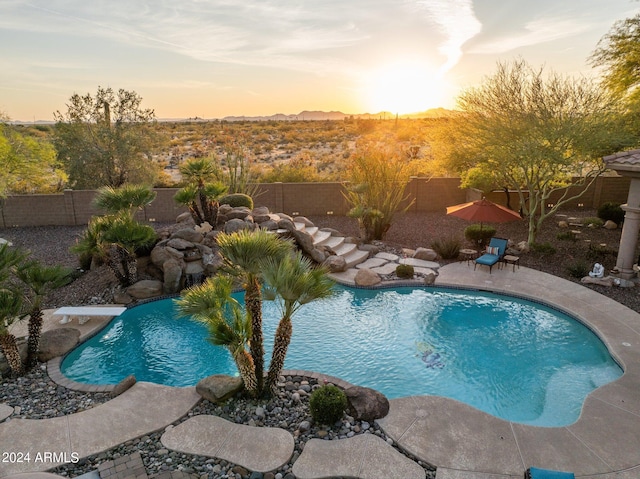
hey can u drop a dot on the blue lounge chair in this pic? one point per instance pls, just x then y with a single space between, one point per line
489 259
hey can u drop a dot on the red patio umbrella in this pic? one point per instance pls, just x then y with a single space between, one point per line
483 211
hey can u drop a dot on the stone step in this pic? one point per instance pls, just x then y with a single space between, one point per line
320 237
259 449
365 456
299 226
345 248
333 242
312 230
356 257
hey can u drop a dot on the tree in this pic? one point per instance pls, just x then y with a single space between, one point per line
535 134
203 191
27 164
292 282
244 252
229 325
10 308
40 280
379 175
108 139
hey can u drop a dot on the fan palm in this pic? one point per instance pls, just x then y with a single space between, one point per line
125 199
229 326
245 251
40 280
10 309
292 281
201 176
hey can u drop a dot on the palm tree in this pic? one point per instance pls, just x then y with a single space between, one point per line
124 200
292 281
40 280
229 326
10 309
201 175
245 251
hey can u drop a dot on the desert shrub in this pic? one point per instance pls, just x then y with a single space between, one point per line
447 248
578 269
566 236
599 252
327 404
479 234
542 248
611 211
404 271
592 221
237 199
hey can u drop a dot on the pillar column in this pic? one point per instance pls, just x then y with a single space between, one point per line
628 240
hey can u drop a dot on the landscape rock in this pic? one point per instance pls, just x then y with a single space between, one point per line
563 224
241 212
235 224
185 218
426 254
371 248
57 342
219 387
304 220
606 281
366 277
260 210
190 234
430 277
269 225
121 297
335 264
610 225
366 404
123 385
172 276
523 247
146 288
179 243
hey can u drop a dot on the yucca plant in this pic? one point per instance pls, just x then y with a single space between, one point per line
291 282
229 325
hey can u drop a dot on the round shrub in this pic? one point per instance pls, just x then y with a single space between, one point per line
327 404
578 269
447 248
237 199
611 211
404 271
479 234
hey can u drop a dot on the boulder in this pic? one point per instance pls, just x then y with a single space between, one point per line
317 255
606 281
179 244
219 387
260 210
120 297
430 277
371 248
366 404
366 277
123 385
426 254
563 224
161 254
335 264
610 225
146 288
224 209
57 342
204 228
285 216
241 212
172 276
190 234
304 220
212 262
185 218
523 247
269 225
236 224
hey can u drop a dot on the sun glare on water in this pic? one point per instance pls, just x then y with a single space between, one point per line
404 88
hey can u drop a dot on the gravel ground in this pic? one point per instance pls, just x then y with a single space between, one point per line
36 396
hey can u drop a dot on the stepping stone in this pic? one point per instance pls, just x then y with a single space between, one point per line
5 411
419 262
345 277
387 256
364 456
388 268
260 449
372 263
424 270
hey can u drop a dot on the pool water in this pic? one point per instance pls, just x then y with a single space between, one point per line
511 358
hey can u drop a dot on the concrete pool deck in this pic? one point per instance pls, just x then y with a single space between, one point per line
461 441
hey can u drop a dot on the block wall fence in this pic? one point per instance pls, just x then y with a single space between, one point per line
74 207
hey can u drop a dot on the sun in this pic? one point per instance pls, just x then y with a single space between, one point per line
404 87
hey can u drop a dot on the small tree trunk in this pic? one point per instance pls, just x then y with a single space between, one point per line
280 346
12 355
33 343
246 368
253 302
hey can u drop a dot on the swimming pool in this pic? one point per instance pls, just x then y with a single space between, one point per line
515 359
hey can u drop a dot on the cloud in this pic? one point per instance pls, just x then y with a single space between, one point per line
536 31
457 22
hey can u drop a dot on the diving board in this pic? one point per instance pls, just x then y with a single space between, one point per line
85 312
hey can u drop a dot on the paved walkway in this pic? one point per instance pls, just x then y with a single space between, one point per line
461 441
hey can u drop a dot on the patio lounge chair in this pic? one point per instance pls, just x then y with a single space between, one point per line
495 252
536 473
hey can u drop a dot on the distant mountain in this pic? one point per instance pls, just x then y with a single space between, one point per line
315 115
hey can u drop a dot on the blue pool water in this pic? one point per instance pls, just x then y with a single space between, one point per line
511 358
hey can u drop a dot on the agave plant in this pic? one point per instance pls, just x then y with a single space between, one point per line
291 281
229 325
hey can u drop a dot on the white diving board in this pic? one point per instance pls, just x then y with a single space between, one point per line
85 312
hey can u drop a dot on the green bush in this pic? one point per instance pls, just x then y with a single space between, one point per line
592 220
479 234
567 236
542 248
447 248
327 404
611 211
578 269
404 271
599 252
237 199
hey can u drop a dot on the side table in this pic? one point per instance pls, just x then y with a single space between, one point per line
512 260
468 255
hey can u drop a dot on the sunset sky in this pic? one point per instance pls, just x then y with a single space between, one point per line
213 58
